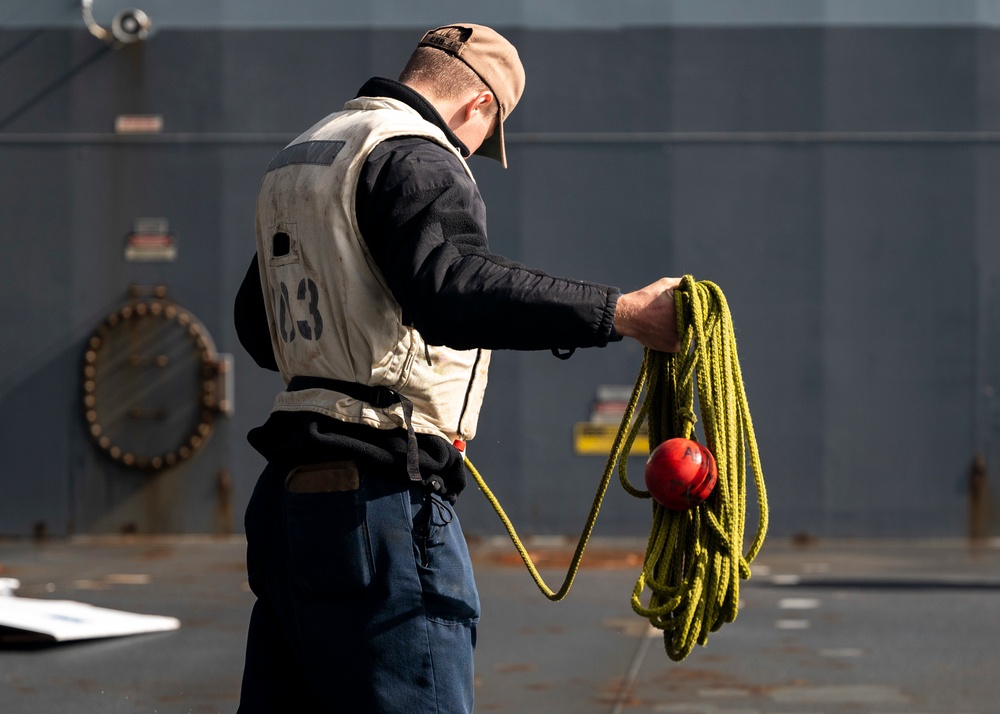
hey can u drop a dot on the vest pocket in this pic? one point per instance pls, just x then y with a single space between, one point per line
326 520
282 245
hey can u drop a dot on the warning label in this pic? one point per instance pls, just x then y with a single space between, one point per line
597 436
590 439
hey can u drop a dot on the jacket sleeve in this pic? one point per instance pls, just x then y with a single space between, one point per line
424 223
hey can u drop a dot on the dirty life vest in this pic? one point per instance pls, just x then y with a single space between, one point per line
330 312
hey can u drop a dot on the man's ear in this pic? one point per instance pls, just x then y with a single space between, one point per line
480 102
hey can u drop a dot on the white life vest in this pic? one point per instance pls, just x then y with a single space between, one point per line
330 311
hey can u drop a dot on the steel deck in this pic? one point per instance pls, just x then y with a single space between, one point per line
866 627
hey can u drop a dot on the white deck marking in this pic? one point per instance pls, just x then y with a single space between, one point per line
840 694
843 652
798 603
792 624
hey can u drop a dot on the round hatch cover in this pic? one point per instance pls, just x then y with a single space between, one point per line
150 382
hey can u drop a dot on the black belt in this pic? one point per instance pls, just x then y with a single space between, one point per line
379 397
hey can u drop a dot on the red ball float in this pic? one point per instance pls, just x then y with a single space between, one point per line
680 474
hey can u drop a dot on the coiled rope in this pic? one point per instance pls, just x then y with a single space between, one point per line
694 559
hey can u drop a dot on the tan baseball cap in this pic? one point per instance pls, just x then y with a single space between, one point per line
495 60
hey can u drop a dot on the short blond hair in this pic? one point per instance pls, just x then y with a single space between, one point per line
449 77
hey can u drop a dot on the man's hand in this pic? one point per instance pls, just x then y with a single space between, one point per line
647 315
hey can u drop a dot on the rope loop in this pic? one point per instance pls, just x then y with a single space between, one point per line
694 560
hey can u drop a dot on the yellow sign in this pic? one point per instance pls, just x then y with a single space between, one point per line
592 439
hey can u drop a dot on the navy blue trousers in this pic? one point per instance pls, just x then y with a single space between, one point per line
365 600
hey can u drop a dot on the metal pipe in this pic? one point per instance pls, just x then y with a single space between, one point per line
87 10
665 137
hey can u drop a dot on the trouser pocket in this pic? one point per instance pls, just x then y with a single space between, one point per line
326 521
443 563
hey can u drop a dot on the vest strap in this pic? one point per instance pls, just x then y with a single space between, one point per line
380 398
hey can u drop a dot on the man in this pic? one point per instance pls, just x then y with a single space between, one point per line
375 295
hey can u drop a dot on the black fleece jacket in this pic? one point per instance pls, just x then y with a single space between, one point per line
424 224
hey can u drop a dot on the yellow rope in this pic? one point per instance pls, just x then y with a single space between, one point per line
694 559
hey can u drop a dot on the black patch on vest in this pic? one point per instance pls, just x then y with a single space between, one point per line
320 153
281 244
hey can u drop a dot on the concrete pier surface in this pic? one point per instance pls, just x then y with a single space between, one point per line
825 627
